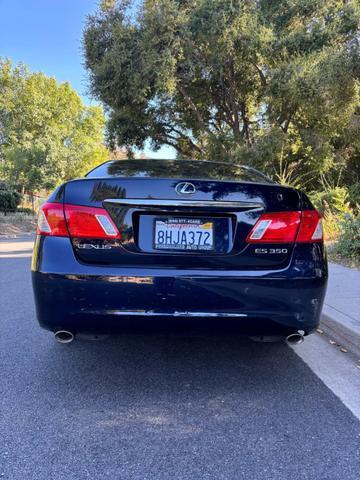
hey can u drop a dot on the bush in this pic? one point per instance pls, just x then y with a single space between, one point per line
9 200
332 200
354 196
332 225
333 204
27 211
349 240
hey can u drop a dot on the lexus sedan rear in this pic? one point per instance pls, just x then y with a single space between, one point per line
187 243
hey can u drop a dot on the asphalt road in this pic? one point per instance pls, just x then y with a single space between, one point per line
160 406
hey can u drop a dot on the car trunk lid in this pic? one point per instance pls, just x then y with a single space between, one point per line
138 205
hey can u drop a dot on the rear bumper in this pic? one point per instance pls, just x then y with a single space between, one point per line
86 298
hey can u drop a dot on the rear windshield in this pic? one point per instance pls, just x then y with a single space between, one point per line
189 169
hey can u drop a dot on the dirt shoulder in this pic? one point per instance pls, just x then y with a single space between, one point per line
335 257
17 224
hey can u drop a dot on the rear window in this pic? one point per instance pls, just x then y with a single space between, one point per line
190 169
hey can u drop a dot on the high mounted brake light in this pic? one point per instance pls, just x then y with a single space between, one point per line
56 219
287 227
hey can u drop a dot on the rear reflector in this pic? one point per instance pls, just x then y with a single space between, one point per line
287 227
60 220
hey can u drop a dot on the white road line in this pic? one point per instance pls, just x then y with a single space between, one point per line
337 370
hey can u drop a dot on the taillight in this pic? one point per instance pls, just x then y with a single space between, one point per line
51 220
89 222
310 227
279 227
60 220
287 227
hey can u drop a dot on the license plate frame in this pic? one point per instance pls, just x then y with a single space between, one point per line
194 242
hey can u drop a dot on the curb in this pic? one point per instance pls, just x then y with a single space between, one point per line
341 328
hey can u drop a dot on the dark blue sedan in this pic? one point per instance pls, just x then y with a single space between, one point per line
142 243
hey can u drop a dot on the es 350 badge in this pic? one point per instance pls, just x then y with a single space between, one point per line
271 251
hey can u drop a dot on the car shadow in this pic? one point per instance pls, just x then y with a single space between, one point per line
201 366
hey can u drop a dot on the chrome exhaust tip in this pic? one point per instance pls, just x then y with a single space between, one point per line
63 336
294 339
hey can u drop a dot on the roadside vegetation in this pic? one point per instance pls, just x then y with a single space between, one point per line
47 134
340 209
18 213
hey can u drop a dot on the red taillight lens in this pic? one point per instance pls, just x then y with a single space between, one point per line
90 222
51 220
279 227
56 219
311 227
287 227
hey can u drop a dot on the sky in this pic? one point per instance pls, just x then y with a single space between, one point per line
46 36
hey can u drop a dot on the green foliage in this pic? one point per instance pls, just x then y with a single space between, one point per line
349 240
27 211
334 200
273 84
9 200
354 196
332 226
333 204
47 135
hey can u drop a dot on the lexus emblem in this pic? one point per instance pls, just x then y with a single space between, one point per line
185 188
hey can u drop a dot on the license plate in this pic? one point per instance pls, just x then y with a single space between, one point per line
184 234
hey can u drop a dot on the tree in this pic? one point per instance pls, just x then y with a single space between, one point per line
47 135
273 84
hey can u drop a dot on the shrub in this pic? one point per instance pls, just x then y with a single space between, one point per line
354 196
9 200
349 240
27 211
334 200
332 225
